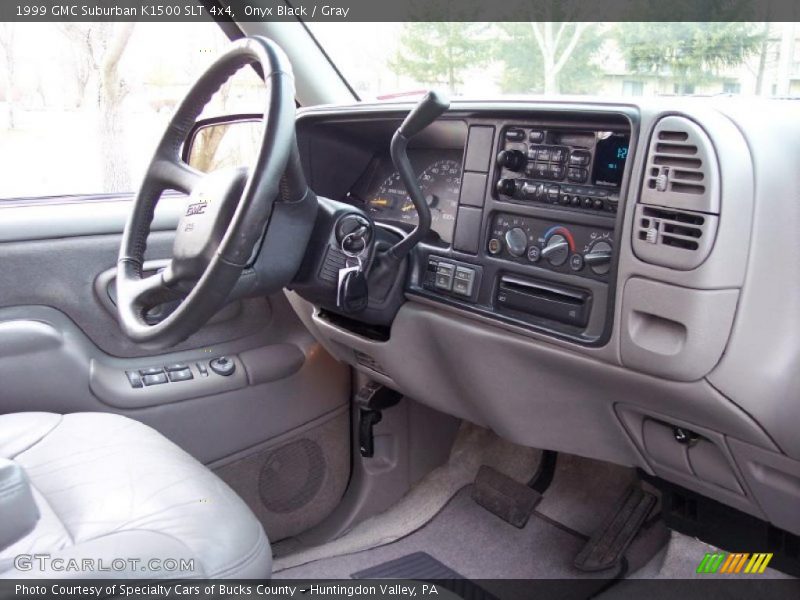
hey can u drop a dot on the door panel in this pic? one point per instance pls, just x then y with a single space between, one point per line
63 351
61 273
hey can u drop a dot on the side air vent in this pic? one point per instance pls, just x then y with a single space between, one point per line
673 238
682 170
678 211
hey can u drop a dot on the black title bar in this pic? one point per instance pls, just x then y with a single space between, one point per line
399 10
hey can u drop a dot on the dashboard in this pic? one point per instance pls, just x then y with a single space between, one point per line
600 276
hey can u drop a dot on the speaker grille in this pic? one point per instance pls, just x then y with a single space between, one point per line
292 476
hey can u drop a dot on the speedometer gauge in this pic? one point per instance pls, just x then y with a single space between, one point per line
440 182
389 196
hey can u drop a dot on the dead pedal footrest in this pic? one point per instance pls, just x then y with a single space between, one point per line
508 499
607 546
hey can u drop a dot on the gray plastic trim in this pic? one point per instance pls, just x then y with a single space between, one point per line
41 221
674 332
22 338
211 427
759 370
533 394
640 426
775 481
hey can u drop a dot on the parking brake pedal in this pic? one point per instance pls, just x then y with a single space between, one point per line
372 399
609 543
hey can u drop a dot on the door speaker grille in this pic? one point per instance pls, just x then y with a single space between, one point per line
292 476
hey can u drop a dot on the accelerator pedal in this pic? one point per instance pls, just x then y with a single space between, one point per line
508 499
609 543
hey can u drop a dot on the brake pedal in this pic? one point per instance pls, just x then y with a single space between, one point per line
609 543
508 499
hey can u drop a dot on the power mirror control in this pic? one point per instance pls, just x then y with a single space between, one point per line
222 366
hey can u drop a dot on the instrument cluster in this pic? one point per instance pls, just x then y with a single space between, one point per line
439 175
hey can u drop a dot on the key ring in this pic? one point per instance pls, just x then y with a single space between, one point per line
350 253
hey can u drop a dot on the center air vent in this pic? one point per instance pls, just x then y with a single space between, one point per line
678 211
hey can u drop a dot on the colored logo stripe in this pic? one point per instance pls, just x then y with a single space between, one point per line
734 563
710 563
719 562
758 564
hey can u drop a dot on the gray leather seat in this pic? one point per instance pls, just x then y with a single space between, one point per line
108 487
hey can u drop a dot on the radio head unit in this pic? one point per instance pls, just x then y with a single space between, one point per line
575 169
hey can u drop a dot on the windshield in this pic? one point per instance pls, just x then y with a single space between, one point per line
384 60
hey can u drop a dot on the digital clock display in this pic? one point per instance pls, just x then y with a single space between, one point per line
610 155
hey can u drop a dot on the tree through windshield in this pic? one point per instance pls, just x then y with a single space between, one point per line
610 59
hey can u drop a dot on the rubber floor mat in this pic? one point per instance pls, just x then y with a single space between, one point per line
422 566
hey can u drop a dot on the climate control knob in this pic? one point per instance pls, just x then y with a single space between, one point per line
599 257
513 160
556 251
516 241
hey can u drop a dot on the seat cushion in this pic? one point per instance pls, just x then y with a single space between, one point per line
110 488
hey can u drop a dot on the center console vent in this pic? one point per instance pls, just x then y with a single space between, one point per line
678 211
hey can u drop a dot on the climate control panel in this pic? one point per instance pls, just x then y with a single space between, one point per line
567 248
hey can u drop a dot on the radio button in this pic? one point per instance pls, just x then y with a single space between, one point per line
580 158
530 190
513 160
536 136
540 170
597 204
506 187
558 155
587 202
556 172
543 154
577 175
515 135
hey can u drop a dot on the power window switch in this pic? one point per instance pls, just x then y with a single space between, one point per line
134 379
155 379
176 367
202 369
182 375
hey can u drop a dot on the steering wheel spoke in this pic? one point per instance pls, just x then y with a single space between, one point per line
175 175
152 290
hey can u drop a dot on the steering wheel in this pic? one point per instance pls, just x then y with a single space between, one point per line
227 211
